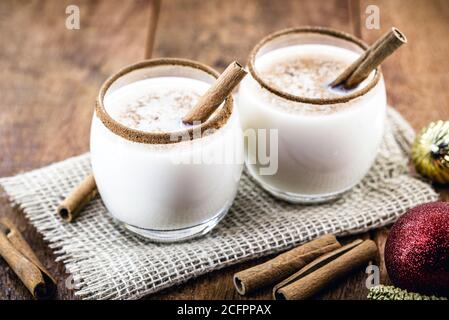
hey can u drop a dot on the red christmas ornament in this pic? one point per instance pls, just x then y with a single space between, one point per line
417 250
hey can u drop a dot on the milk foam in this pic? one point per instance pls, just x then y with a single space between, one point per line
155 104
306 70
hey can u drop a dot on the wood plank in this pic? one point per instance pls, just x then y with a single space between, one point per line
217 32
416 76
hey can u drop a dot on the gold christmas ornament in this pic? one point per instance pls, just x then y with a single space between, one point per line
430 152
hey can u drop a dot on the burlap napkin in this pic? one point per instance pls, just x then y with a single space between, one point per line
108 263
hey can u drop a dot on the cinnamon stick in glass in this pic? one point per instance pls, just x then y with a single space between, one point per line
326 272
84 193
283 265
216 94
24 262
360 69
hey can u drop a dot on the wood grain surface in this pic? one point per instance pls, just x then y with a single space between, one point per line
50 77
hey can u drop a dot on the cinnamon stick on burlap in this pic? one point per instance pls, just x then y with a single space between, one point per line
21 258
84 193
360 69
216 94
320 274
283 265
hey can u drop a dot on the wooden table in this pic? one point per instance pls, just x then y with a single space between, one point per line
50 77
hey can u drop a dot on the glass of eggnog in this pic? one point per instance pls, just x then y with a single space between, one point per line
159 177
326 138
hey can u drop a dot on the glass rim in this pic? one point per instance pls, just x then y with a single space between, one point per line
303 99
215 122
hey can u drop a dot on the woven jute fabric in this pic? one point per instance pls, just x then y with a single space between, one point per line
107 262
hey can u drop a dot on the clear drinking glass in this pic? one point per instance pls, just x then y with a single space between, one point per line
326 145
164 185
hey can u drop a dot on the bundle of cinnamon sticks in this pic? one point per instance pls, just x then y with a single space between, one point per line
24 262
305 270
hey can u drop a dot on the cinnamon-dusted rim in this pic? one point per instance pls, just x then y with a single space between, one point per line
303 99
216 121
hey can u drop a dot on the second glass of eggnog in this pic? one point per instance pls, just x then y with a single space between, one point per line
159 177
327 138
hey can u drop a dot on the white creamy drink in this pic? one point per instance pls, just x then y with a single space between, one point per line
155 104
164 191
327 141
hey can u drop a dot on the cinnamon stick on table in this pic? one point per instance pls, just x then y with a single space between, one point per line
360 69
319 274
21 258
283 265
